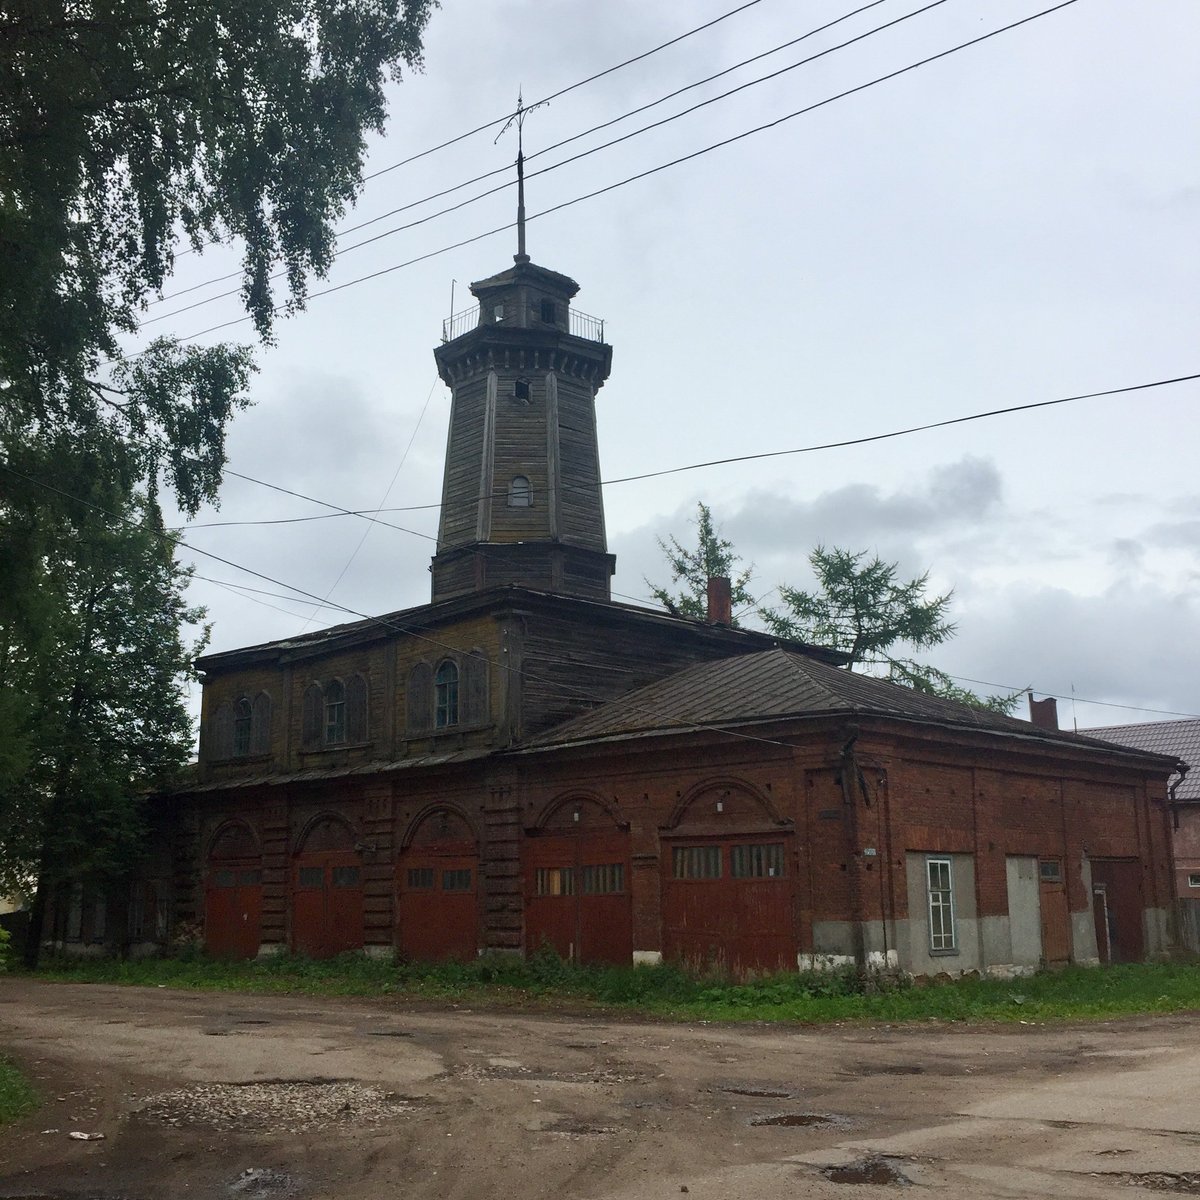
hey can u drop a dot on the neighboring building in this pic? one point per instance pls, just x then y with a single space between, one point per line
524 760
1180 740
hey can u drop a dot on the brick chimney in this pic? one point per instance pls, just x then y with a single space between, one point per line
1043 713
720 600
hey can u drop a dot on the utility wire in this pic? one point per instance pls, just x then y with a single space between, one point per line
385 622
1167 712
367 529
653 170
716 462
507 167
546 99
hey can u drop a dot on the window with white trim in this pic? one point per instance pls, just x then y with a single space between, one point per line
1194 879
939 886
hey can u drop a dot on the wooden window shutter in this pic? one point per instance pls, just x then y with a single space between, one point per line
420 699
477 688
222 732
260 725
313 720
356 709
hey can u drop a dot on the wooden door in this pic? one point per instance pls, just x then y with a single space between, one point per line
1122 883
327 904
577 896
233 894
1056 917
437 886
727 904
327 893
233 909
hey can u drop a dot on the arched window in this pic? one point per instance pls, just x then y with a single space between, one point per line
520 494
356 709
243 714
446 695
335 713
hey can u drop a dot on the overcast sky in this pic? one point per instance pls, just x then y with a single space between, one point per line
1017 222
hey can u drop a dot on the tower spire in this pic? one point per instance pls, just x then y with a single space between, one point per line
518 119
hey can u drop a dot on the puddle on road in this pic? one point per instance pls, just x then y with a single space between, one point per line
761 1093
878 1171
795 1120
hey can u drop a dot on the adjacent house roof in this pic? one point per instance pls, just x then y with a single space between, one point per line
780 683
1179 739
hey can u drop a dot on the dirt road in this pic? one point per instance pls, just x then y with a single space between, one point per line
258 1098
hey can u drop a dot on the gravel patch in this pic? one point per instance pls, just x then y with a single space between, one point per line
281 1106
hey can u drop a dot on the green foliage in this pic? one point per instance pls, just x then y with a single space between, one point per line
130 128
1079 993
863 609
5 949
17 1097
713 555
94 669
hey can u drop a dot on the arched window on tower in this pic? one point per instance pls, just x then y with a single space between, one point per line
335 713
520 494
243 720
446 695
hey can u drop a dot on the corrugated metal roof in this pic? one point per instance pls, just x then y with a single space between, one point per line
778 683
1179 739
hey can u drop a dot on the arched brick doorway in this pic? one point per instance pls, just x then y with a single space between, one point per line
233 893
729 884
327 892
437 889
577 884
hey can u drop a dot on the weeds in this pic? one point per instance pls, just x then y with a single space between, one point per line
17 1097
544 980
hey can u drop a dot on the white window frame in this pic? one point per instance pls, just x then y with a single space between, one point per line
1194 879
941 900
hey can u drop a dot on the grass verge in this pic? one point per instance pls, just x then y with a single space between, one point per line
544 981
17 1096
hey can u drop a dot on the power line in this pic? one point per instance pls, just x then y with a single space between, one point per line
716 462
385 622
546 99
1166 712
367 530
563 91
895 433
549 149
653 170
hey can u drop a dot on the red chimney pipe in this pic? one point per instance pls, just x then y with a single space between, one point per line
1043 713
720 600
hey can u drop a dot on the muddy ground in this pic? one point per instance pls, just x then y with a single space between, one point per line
235 1097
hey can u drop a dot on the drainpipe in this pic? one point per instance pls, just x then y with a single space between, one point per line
850 773
1172 803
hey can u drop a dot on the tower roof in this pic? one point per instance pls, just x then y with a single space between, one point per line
527 273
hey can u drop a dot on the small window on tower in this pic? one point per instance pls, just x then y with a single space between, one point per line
521 390
498 313
520 494
549 312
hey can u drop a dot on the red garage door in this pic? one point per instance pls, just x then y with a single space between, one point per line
233 895
727 904
577 896
437 884
327 894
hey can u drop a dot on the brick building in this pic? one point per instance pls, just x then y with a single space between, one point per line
1179 740
524 760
